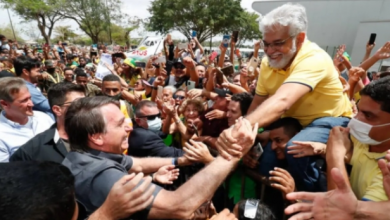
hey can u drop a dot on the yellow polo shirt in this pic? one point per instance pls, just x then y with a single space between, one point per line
366 178
313 67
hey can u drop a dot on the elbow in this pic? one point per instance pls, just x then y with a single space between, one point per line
282 105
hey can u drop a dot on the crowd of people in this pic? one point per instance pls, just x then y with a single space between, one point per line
292 135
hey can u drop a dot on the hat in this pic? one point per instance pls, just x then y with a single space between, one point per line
129 62
178 63
49 64
222 92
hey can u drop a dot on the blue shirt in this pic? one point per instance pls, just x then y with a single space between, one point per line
40 102
13 135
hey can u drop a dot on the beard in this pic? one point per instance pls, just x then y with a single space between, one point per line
286 58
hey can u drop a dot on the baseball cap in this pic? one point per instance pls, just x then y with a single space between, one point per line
49 64
129 62
178 63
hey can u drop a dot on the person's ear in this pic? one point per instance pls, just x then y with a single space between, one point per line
97 139
57 110
25 72
4 103
300 39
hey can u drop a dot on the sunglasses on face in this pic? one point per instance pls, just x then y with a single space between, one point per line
151 117
178 97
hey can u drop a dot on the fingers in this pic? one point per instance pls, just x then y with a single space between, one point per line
133 183
143 193
169 167
302 196
125 179
339 180
302 143
302 216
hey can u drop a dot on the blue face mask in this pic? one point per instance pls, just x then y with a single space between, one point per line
154 125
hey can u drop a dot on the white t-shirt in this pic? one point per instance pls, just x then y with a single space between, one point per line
198 55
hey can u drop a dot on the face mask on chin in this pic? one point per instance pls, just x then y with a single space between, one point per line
116 97
361 131
154 125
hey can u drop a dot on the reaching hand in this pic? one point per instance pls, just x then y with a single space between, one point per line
166 174
169 107
339 143
283 181
215 114
197 152
159 81
188 62
355 73
384 165
383 52
127 197
345 84
249 161
194 93
307 148
338 204
369 47
237 140
339 58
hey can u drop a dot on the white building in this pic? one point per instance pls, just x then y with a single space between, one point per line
349 22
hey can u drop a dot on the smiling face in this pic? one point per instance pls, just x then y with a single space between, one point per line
279 141
280 48
21 106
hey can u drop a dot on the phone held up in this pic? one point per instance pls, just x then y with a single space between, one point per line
194 33
372 39
235 36
225 40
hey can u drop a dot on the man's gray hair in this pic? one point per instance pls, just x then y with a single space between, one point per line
172 88
288 15
9 86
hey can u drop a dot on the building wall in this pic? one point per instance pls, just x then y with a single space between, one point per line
349 22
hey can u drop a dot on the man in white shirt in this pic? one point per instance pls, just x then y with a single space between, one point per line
18 122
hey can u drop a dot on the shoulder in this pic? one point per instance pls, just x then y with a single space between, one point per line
42 116
312 55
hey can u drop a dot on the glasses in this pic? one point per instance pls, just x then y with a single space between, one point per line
275 45
151 117
66 103
178 97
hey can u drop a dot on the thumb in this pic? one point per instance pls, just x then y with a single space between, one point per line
339 180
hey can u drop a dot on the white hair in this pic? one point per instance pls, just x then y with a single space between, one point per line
172 88
288 15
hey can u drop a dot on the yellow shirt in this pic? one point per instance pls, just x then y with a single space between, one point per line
366 178
313 67
124 111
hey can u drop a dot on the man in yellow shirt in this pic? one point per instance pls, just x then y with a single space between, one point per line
298 80
370 136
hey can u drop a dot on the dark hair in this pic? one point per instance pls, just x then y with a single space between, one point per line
379 91
84 118
79 70
69 56
263 212
142 104
384 74
245 100
36 190
291 126
179 90
68 68
24 62
57 93
82 74
111 78
197 104
2 36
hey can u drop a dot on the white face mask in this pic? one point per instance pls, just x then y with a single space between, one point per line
361 131
154 125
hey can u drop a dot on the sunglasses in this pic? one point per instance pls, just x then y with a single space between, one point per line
178 97
151 117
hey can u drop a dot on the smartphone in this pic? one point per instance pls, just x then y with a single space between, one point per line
257 151
194 34
140 64
372 39
225 40
160 92
252 66
219 76
213 56
64 44
228 71
235 36
182 46
190 85
161 59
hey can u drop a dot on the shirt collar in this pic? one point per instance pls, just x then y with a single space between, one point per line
56 136
15 124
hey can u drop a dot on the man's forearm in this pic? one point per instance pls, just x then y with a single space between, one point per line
272 108
372 210
333 160
149 165
194 192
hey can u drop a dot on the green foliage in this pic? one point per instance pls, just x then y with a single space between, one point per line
44 12
7 32
93 16
207 17
64 33
249 27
